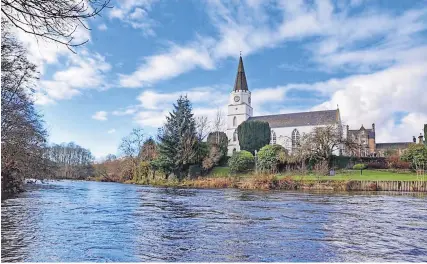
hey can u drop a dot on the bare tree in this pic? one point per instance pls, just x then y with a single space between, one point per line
132 144
23 136
71 161
219 123
202 127
55 20
322 142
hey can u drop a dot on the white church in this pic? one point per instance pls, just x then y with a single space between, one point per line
286 129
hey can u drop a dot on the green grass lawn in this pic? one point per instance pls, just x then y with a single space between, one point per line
220 172
372 175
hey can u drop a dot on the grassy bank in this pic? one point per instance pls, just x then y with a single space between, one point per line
367 175
343 181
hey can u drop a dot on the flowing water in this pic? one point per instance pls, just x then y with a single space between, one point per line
93 221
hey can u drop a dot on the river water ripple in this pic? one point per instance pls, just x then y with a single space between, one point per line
93 221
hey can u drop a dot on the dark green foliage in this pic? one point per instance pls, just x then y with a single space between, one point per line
253 135
220 139
268 158
241 161
177 139
202 150
194 171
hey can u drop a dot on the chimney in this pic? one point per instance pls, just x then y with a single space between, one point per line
373 127
414 139
420 139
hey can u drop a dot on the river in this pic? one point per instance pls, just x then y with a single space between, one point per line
93 221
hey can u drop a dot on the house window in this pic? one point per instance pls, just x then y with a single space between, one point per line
273 137
295 139
234 121
235 135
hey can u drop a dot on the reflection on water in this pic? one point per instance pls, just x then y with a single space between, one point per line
93 221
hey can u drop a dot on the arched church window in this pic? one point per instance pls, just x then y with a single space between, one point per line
273 137
295 139
234 150
234 121
235 135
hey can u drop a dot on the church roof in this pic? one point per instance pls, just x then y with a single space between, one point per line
328 117
240 84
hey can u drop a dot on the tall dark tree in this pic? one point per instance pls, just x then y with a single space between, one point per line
253 135
178 138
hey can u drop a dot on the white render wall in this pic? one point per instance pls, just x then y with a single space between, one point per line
240 111
284 135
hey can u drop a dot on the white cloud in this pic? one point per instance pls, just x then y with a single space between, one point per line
376 97
331 33
111 131
100 115
84 71
153 119
102 27
134 13
208 95
164 66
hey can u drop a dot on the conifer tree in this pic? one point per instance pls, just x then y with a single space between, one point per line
253 135
178 138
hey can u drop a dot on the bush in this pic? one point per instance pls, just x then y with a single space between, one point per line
141 172
376 166
359 166
395 162
268 157
194 171
241 161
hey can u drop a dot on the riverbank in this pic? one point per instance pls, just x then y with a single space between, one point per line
281 182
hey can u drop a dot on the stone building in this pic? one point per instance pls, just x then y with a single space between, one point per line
286 129
368 147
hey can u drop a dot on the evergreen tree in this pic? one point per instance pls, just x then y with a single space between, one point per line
178 140
253 135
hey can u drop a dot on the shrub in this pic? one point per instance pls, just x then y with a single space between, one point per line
395 162
269 157
376 166
141 172
241 161
359 166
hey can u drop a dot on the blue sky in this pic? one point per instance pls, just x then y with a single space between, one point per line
369 57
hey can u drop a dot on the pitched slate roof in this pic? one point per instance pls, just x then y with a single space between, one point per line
328 117
395 145
240 84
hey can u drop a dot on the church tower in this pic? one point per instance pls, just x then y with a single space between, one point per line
239 108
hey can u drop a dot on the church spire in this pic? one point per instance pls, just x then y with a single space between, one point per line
240 84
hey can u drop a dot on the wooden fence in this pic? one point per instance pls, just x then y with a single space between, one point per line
404 186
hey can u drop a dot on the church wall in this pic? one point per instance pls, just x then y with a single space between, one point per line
284 135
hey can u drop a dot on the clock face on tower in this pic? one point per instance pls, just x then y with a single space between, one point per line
236 98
